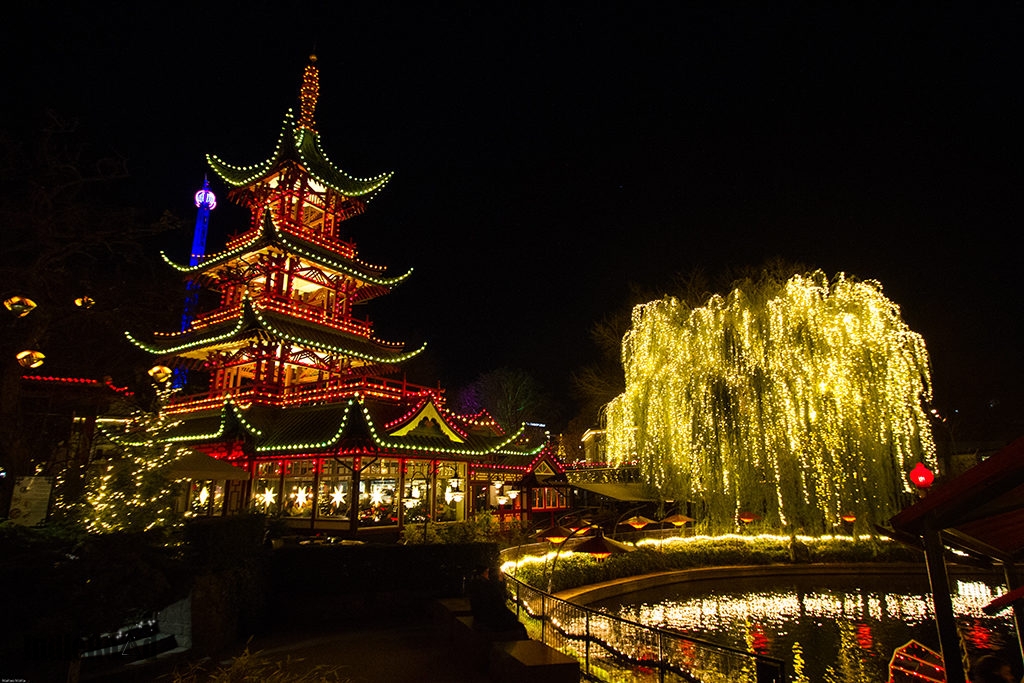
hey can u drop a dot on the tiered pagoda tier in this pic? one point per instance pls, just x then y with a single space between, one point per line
287 382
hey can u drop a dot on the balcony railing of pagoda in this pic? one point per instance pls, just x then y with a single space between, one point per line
311 392
333 245
361 328
374 387
213 317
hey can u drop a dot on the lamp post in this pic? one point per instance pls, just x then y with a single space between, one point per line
679 522
627 513
599 546
559 536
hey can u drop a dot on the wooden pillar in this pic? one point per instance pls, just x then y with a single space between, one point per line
318 465
353 508
945 620
402 464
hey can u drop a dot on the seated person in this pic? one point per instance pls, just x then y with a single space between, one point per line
487 600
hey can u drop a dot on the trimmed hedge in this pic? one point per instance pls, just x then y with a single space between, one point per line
579 569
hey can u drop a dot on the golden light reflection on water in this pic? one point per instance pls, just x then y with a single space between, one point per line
845 633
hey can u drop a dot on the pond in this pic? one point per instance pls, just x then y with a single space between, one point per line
844 627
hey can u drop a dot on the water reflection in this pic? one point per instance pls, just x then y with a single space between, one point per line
842 628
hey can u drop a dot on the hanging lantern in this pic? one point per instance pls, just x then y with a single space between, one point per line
513 493
747 517
160 373
19 305
849 518
85 302
30 359
921 476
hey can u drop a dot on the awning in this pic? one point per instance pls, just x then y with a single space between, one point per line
636 493
196 465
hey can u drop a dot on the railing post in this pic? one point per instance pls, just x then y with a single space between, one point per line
543 618
661 657
586 647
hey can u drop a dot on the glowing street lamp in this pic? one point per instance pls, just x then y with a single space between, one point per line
30 358
638 522
20 306
557 534
601 548
748 517
160 373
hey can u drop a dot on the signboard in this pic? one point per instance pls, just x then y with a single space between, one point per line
31 500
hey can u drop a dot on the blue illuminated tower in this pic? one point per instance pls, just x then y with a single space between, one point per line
206 202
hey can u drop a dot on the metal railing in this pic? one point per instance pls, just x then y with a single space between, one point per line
616 650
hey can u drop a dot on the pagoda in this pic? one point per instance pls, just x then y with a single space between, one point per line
287 383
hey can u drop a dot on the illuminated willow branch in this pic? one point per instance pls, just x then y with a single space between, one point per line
798 401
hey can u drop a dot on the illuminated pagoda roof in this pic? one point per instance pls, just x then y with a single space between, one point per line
357 425
250 322
270 234
300 142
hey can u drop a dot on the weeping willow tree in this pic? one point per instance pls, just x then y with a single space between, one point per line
799 401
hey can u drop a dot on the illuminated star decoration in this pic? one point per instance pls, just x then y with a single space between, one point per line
301 497
801 400
268 497
338 497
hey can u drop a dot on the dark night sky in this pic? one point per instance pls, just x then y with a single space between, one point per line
547 155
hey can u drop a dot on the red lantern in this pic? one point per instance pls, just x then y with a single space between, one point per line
748 517
921 476
849 518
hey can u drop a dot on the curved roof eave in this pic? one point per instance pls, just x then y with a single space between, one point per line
304 146
240 324
240 176
249 315
315 345
269 231
316 163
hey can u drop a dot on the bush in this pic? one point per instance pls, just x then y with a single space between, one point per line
481 528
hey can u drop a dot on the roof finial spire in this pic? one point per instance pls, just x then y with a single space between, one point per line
309 94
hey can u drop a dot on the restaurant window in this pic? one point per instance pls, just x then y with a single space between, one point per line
205 498
266 488
378 501
549 498
298 488
450 492
333 499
